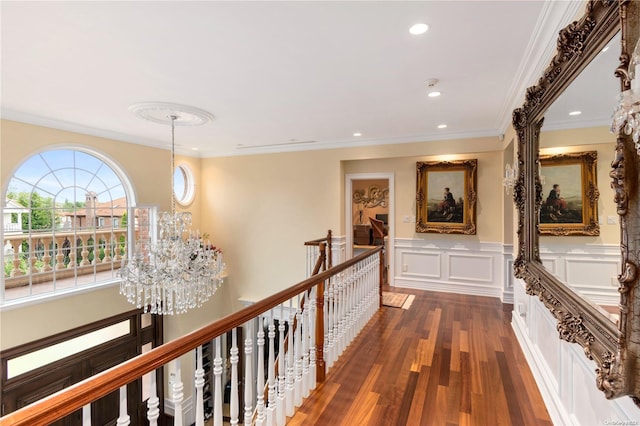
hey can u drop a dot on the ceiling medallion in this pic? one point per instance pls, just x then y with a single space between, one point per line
161 112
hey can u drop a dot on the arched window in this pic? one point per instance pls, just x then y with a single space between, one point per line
73 209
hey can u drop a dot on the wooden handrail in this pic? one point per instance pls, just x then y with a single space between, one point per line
73 398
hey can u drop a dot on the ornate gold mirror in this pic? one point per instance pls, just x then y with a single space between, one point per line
614 344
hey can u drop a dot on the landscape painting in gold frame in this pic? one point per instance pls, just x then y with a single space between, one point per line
569 194
446 196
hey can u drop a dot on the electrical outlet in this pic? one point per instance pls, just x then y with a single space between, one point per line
405 218
612 220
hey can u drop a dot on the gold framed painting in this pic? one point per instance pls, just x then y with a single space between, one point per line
569 194
446 196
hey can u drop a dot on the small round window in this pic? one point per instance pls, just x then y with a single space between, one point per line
183 185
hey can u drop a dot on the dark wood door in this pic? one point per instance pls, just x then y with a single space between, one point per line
24 389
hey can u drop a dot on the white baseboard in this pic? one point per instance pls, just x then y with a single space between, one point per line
448 287
557 412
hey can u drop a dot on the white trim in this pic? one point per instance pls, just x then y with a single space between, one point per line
446 287
508 277
557 412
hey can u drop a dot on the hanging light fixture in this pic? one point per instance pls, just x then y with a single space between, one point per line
510 178
627 114
180 270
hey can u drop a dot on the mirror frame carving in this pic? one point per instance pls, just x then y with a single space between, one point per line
614 349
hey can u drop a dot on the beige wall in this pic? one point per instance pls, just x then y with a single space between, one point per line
152 186
261 208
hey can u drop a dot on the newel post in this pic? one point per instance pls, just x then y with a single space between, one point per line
320 364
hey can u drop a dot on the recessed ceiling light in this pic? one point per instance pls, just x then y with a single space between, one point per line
442 126
418 29
195 148
357 134
575 113
434 94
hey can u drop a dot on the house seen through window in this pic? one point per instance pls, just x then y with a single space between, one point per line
65 224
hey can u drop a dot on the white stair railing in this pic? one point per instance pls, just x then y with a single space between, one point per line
349 298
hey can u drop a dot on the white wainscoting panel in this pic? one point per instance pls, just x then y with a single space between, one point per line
471 267
590 269
565 377
439 264
418 264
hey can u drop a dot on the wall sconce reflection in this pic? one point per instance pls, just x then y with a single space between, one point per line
510 178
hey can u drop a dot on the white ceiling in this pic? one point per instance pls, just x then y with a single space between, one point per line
276 75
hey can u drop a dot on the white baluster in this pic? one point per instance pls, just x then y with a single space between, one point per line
280 406
330 313
336 320
312 338
217 378
290 370
342 323
153 403
348 318
363 295
123 418
178 396
305 346
271 373
260 418
233 359
248 375
355 300
199 382
298 356
86 415
327 324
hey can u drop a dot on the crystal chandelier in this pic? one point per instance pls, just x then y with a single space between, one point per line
627 114
180 270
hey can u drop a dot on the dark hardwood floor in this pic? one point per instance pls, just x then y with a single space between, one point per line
448 360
